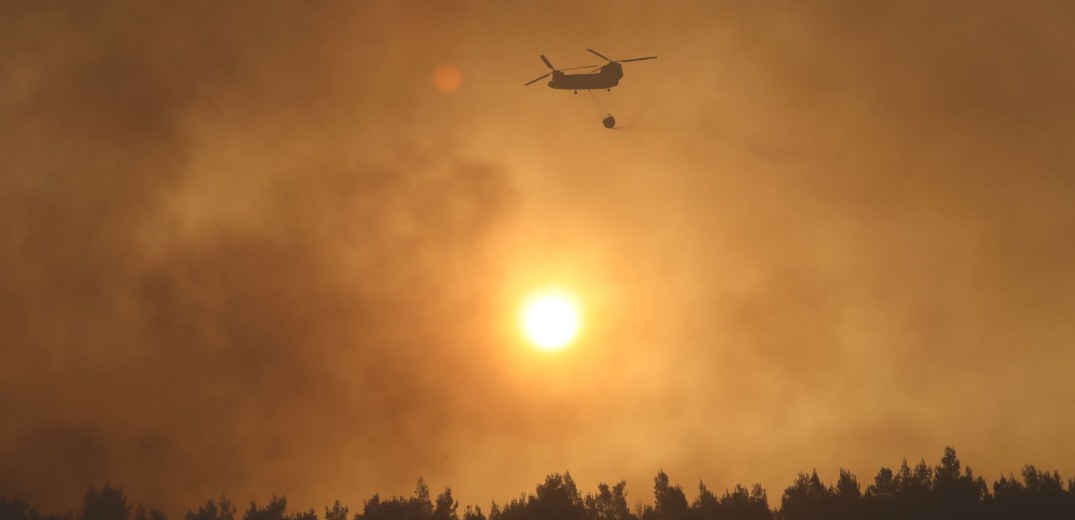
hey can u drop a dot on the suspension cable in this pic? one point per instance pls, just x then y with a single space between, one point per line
608 121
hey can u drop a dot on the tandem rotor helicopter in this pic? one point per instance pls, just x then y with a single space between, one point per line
603 77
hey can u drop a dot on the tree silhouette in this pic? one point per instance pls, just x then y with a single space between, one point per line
212 510
879 501
445 507
338 512
669 501
706 506
846 497
805 499
276 509
737 504
947 491
742 505
955 494
418 507
610 503
473 513
16 510
913 488
557 497
107 503
1040 495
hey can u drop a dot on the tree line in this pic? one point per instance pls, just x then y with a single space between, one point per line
943 492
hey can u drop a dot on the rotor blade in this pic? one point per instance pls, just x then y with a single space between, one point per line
582 67
537 80
638 59
547 64
599 54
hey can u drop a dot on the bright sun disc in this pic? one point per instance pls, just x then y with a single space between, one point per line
550 321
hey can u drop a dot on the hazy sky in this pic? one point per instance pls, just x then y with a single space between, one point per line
251 248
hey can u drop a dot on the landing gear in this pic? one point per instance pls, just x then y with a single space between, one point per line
576 92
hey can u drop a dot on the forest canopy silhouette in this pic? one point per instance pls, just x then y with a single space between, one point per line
945 491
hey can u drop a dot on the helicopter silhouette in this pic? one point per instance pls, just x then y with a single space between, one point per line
603 77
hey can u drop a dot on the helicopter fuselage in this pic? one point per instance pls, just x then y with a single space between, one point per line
607 76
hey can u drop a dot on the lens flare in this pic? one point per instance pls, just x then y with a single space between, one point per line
447 78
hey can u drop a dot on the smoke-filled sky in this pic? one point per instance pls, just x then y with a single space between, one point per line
252 247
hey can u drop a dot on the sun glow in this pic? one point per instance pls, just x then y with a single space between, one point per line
550 320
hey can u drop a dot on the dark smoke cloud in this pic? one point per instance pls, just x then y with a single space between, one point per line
209 277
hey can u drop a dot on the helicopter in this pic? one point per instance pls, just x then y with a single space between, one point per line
602 77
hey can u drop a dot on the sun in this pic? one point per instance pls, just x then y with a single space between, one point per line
550 320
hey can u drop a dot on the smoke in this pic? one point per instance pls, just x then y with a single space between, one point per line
252 249
214 269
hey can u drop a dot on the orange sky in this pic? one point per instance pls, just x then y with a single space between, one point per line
279 247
